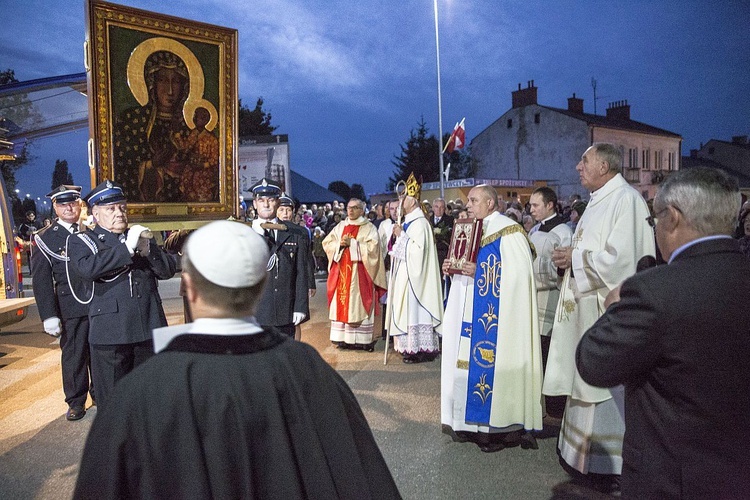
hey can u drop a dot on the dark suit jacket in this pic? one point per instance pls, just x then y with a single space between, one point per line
443 236
286 290
126 304
679 339
50 279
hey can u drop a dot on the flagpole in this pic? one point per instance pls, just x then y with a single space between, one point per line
440 102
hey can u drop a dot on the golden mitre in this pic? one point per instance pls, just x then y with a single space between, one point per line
413 188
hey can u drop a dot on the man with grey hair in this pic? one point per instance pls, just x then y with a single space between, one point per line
356 278
677 337
610 239
442 225
228 409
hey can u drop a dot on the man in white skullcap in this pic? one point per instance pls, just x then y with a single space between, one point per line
227 409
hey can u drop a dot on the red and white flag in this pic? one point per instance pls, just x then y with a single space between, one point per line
457 138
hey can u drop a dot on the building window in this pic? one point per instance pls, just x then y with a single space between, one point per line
633 158
510 122
646 157
670 161
537 117
657 160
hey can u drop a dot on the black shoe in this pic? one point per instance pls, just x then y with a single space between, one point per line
528 441
370 347
75 413
412 358
491 447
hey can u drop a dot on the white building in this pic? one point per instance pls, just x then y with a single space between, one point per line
531 141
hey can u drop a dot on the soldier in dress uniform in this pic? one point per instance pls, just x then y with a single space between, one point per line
284 302
122 266
63 316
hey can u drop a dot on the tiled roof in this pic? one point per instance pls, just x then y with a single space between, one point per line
603 121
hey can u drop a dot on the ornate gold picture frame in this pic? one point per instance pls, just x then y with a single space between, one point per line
162 112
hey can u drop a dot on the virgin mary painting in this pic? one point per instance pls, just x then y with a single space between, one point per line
156 144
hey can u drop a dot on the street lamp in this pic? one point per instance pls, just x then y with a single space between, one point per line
440 103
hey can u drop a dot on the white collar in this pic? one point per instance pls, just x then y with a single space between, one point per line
206 326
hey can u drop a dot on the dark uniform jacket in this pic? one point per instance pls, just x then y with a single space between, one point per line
679 339
286 289
49 278
126 305
442 236
308 238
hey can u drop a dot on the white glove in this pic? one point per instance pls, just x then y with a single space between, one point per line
144 246
53 326
297 318
134 234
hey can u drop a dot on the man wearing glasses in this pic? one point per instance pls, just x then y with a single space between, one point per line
356 278
677 337
610 239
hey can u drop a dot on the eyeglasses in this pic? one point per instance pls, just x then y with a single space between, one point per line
654 219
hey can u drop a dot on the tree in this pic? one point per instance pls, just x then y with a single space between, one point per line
255 121
463 165
341 188
358 191
61 175
418 155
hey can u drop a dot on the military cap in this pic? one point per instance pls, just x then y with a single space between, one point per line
105 193
65 193
266 187
286 201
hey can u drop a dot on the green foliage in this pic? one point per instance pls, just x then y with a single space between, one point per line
255 121
358 191
61 175
419 155
463 165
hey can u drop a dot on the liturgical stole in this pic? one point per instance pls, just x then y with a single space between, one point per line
483 333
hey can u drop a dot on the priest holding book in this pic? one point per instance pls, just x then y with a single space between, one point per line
491 361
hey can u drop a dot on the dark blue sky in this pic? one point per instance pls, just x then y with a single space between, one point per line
349 80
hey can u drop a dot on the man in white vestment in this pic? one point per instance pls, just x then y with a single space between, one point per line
611 236
551 232
356 278
491 367
415 299
385 233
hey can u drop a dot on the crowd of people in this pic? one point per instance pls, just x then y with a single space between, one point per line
615 324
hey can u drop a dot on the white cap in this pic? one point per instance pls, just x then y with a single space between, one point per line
228 254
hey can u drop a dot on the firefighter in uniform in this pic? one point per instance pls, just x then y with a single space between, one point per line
122 266
63 316
284 302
